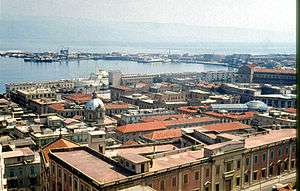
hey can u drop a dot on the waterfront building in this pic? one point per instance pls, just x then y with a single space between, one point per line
53 84
114 78
252 74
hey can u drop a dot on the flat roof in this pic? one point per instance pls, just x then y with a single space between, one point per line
140 149
18 153
135 158
177 159
91 166
271 137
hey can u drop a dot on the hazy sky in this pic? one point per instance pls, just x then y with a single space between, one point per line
277 15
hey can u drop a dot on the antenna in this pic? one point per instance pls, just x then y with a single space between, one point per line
60 135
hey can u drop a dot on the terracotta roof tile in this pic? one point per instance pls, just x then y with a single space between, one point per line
164 117
164 134
59 143
116 105
57 106
290 110
271 137
79 97
138 127
245 115
223 127
275 71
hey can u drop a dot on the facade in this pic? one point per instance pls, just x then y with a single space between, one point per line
231 165
59 84
253 74
22 169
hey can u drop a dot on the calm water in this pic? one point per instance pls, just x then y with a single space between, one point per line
15 70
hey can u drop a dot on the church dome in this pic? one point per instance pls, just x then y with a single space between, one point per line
94 103
257 106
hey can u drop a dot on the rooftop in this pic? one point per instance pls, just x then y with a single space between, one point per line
116 106
59 143
142 149
238 116
90 164
138 127
18 153
223 127
176 159
135 158
164 134
79 97
275 71
271 137
163 117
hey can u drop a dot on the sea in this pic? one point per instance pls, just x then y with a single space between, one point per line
16 70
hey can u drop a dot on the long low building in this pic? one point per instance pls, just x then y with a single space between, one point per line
231 165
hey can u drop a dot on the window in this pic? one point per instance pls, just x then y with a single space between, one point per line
255 176
272 155
174 181
255 159
238 164
185 179
279 152
247 161
75 185
162 185
292 164
32 170
246 178
237 181
11 173
271 170
264 157
59 172
228 166
217 187
287 150
197 175
207 172
218 169
263 173
21 171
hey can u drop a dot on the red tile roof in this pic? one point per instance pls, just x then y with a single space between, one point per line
164 134
164 117
116 105
191 109
59 143
290 110
57 106
235 116
275 71
271 137
159 125
139 127
223 127
79 98
188 120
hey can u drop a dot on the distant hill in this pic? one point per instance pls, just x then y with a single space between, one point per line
67 29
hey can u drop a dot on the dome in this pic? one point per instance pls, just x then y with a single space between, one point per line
257 106
93 104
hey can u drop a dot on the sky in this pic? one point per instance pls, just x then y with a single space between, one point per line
277 15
